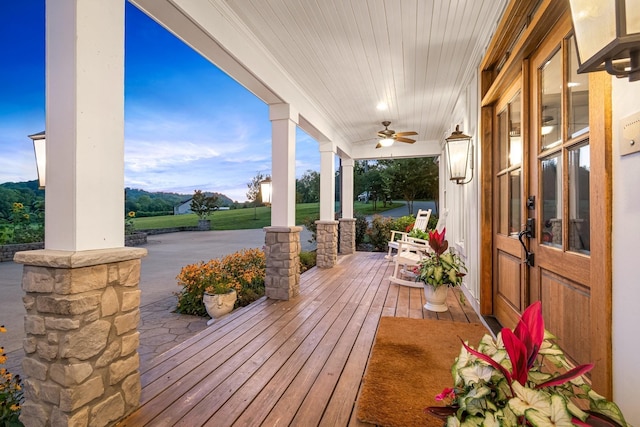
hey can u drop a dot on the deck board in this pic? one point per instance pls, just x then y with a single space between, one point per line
296 362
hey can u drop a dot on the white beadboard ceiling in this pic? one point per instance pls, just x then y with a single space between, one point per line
335 60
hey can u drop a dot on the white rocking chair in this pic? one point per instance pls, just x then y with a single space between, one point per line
422 220
409 255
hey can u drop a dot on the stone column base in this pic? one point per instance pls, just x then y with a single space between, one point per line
327 239
347 235
81 347
282 249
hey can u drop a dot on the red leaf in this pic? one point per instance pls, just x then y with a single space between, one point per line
567 376
517 352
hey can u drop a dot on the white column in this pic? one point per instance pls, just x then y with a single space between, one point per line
284 120
327 181
347 188
85 125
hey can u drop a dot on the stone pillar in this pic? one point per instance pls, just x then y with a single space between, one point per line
81 347
282 249
347 235
327 239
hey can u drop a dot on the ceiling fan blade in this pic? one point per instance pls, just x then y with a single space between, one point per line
407 140
378 145
406 133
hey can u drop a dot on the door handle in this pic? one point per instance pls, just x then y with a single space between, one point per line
528 232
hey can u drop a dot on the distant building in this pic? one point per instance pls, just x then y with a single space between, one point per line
183 208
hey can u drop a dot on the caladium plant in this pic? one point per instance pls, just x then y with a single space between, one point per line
506 382
442 266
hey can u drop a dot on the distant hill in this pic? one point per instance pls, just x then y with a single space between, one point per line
143 203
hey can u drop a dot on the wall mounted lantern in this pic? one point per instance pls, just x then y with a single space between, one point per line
608 36
265 190
459 149
39 148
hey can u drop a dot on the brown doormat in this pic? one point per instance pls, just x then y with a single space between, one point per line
410 363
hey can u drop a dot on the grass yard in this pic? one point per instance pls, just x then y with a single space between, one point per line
241 219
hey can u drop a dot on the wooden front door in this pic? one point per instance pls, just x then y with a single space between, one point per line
550 204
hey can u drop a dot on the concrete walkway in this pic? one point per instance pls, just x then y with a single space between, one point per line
160 328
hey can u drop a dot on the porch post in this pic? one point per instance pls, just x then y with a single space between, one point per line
347 222
282 239
82 298
327 226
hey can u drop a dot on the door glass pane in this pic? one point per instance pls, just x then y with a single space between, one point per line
503 210
552 201
515 141
551 108
579 174
578 99
503 141
514 201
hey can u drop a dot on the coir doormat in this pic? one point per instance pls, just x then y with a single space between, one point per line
411 363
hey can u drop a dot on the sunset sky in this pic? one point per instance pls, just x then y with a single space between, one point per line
187 124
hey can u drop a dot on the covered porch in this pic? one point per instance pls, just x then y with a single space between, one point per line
275 362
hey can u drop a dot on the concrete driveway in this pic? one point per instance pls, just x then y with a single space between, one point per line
168 253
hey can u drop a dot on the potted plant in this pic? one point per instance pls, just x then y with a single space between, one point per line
438 270
219 296
203 206
509 381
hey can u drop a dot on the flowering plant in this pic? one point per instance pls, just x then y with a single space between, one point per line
507 382
10 392
243 271
440 267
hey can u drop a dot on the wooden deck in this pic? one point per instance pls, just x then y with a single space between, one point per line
297 362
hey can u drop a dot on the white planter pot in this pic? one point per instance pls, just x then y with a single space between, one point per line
436 298
218 305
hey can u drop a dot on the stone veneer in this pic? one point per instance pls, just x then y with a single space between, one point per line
347 235
81 347
282 250
327 240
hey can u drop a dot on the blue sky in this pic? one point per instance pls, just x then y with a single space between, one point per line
187 124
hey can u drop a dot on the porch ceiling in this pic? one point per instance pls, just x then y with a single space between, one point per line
335 60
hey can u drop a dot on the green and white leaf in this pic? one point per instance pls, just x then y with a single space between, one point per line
490 420
472 422
476 373
575 411
603 406
453 422
559 416
527 399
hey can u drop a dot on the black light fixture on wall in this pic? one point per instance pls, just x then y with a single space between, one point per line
608 36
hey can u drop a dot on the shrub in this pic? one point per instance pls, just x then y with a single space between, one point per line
433 221
25 226
243 270
310 223
361 227
307 260
10 393
404 223
380 232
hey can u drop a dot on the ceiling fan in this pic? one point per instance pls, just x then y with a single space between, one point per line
388 136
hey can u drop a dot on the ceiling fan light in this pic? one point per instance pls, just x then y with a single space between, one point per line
386 142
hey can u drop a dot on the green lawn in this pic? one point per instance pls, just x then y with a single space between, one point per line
239 219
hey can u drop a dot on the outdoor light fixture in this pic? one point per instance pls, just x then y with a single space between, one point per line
386 142
458 152
39 147
608 36
265 190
